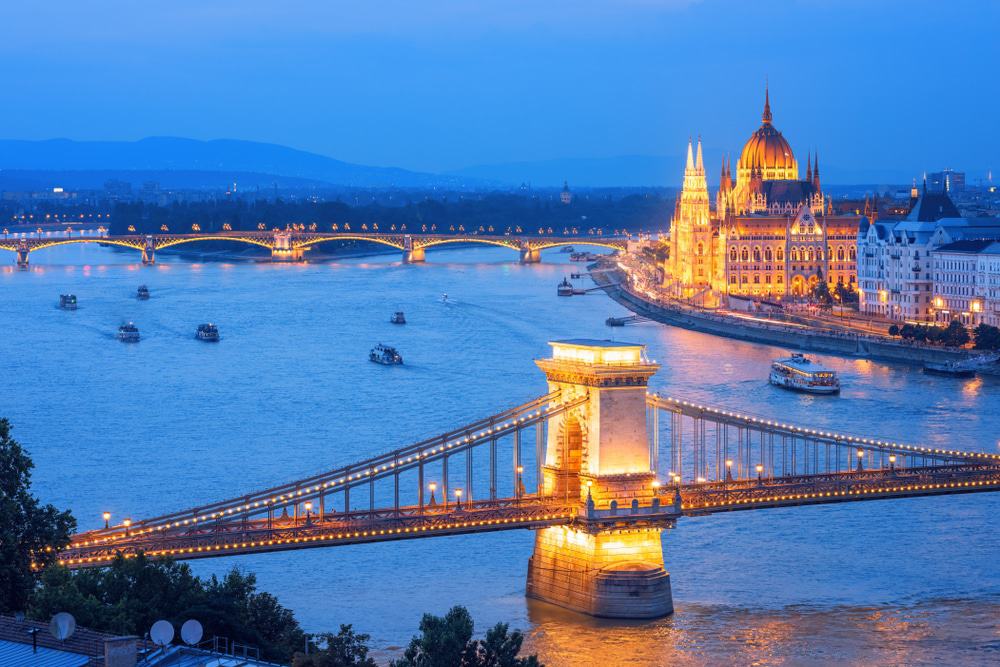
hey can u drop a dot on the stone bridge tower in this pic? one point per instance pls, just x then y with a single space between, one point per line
599 456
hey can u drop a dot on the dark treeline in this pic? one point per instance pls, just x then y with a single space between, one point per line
497 211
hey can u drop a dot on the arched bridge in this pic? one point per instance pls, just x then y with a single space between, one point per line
582 466
292 245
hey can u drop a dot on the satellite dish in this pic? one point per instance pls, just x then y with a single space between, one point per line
162 633
191 632
62 626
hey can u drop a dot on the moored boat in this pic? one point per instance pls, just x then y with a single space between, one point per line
128 333
142 293
955 369
566 248
385 355
207 332
800 373
398 318
565 288
67 301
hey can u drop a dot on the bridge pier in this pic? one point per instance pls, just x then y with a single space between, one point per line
149 252
599 455
22 259
282 249
530 255
413 256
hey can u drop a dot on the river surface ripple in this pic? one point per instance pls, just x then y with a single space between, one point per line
171 423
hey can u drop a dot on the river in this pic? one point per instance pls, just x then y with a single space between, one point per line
172 422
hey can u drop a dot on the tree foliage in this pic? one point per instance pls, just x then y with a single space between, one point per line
30 533
130 594
447 642
344 649
954 335
987 337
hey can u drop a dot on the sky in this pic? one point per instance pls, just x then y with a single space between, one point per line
437 85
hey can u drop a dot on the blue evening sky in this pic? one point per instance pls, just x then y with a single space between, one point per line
443 84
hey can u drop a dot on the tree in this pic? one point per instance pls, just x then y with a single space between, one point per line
447 642
344 649
30 533
954 335
130 594
987 337
821 291
893 330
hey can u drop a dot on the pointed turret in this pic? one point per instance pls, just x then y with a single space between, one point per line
815 174
809 168
723 184
699 165
690 159
766 116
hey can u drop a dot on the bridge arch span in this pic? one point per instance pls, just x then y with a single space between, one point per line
430 243
391 242
32 247
612 245
160 244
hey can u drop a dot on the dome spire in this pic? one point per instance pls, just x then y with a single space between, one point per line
766 117
690 157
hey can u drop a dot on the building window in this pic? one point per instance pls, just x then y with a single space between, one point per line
732 254
840 254
767 254
732 280
745 255
795 254
781 254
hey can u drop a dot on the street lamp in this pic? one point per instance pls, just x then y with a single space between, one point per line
519 491
433 487
861 460
308 507
892 462
458 499
127 523
107 520
760 473
729 470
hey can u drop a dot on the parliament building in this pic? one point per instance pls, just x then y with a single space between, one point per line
771 235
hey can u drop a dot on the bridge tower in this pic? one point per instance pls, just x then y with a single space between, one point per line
22 254
599 455
148 251
411 255
530 255
282 249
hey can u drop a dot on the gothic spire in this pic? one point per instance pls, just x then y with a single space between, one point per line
809 168
698 162
690 158
766 117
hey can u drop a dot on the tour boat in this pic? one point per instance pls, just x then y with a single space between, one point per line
565 288
208 332
566 248
67 301
385 355
128 333
142 293
578 257
799 373
398 318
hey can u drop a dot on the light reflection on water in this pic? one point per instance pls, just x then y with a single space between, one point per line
171 422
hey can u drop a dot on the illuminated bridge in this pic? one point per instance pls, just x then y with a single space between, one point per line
286 245
580 465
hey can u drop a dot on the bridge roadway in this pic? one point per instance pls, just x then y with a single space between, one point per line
851 469
289 245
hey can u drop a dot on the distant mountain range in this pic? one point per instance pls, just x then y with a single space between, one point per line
188 163
222 156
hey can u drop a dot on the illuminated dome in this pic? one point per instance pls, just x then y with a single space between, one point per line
768 151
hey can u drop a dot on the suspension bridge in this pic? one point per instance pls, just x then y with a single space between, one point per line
291 245
598 467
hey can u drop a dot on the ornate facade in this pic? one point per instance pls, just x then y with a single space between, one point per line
771 234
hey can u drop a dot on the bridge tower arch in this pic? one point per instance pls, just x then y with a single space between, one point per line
148 251
599 454
283 250
411 253
529 254
22 254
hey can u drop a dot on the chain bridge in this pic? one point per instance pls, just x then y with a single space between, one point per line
598 467
286 245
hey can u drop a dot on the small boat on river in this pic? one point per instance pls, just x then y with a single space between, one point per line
955 369
398 318
207 332
565 288
67 301
799 373
142 293
128 333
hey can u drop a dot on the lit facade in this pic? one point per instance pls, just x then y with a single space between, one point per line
967 283
771 234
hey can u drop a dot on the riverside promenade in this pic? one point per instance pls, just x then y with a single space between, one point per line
619 286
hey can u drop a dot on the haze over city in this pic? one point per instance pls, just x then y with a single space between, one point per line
883 90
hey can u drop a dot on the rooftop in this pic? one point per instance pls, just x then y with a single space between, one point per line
593 342
990 246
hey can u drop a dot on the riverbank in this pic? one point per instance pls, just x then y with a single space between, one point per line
615 284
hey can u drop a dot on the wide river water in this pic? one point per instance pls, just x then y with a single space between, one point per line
170 423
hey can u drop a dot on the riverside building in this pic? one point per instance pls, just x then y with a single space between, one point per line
771 234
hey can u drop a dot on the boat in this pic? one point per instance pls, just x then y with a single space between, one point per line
616 321
207 332
67 301
398 318
128 333
955 369
565 288
385 355
800 373
566 248
142 293
578 257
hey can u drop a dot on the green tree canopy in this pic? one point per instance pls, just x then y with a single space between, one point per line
344 649
30 533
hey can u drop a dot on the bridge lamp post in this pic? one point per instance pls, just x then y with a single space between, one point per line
861 460
433 487
458 499
308 507
107 520
729 470
760 474
127 523
519 491
892 462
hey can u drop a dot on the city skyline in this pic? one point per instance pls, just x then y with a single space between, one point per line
876 91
